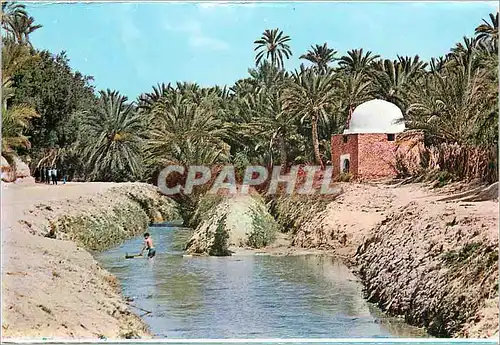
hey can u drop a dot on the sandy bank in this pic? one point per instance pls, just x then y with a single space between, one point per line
432 261
51 285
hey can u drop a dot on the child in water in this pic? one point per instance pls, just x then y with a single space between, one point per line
148 244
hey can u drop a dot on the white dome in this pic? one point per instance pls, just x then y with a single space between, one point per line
376 116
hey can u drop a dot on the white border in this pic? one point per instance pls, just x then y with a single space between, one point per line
239 2
48 340
268 340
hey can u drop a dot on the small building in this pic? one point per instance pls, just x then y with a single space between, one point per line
366 150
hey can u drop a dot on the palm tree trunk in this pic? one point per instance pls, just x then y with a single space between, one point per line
19 37
283 153
271 152
314 122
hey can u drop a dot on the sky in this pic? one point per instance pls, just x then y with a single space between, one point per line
131 46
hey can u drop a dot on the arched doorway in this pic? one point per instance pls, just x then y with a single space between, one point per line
345 166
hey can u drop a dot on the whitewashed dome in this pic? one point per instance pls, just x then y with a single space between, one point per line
376 116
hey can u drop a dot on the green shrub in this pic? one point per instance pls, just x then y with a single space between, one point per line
344 177
264 228
219 246
291 211
203 209
454 257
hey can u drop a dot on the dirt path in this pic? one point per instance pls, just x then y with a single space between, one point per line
348 220
17 200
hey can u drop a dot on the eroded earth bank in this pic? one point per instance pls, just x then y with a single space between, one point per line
428 255
51 284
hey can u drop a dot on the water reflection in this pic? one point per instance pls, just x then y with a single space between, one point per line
243 297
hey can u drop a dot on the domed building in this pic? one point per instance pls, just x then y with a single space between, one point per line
366 149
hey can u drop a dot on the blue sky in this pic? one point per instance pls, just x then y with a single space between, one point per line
132 46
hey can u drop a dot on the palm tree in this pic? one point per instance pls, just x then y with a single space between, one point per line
488 31
437 64
467 48
147 100
183 127
11 10
273 44
14 56
266 77
392 78
20 27
187 88
356 61
320 56
243 87
389 78
269 123
310 96
253 108
452 104
114 138
412 65
354 89
15 119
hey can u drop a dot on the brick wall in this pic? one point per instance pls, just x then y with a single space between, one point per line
340 148
376 156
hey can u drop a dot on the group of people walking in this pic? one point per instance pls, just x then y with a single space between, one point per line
49 175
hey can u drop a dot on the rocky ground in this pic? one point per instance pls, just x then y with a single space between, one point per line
51 285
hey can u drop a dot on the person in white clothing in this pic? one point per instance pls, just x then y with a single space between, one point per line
54 175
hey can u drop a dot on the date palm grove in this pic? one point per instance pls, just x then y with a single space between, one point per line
51 114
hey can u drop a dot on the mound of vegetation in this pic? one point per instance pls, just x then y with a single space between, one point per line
230 222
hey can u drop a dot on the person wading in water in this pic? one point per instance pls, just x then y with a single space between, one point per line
148 244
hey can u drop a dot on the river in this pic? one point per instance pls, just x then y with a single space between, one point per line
250 296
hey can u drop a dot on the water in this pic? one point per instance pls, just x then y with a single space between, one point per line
245 296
